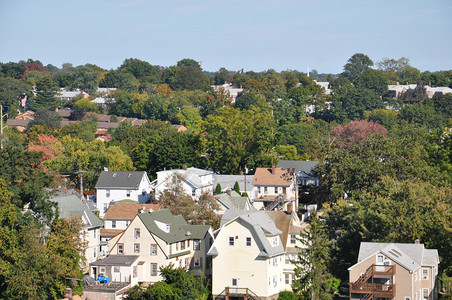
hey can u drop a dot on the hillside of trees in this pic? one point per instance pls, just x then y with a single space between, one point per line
386 164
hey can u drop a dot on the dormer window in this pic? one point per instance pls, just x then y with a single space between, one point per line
163 226
275 240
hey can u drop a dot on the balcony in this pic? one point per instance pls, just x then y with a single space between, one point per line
366 282
244 293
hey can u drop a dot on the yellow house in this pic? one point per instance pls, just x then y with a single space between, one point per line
252 253
398 271
152 240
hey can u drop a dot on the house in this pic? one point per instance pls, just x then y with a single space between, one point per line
398 271
121 185
179 128
227 88
232 200
193 181
396 90
228 181
252 252
274 188
118 216
70 204
154 239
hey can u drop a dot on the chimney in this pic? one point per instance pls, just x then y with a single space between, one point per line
228 191
289 207
241 172
398 83
417 241
68 293
184 167
430 84
273 169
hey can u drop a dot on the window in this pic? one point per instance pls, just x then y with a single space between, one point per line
276 190
293 238
425 294
137 233
407 298
248 241
187 260
231 241
188 243
283 190
182 245
143 192
415 276
135 272
153 269
287 278
287 259
113 224
265 190
120 248
136 248
107 193
128 193
153 249
425 274
197 262
170 249
196 245
193 192
380 259
234 282
105 207
275 240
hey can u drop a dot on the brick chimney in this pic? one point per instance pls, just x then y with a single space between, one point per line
228 191
273 169
289 207
184 167
417 241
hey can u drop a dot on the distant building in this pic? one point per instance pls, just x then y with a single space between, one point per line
228 181
231 200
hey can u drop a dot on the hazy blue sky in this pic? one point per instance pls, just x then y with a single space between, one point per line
250 34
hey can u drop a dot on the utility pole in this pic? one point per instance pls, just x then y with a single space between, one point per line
1 126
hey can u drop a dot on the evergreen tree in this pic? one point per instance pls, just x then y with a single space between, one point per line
218 189
237 187
46 89
313 280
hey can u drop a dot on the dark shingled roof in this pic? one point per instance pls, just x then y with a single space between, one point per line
116 260
180 230
120 179
306 166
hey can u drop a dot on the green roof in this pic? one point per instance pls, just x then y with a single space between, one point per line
180 230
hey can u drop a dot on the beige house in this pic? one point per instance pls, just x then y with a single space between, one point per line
118 216
274 188
152 240
395 271
252 253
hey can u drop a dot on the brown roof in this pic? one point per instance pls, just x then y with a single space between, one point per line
273 176
110 232
28 115
282 221
127 211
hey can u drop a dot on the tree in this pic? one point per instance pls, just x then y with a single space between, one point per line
221 76
191 78
141 70
386 117
49 145
356 65
312 278
356 132
237 188
373 80
46 118
85 78
189 116
218 189
188 62
11 90
46 89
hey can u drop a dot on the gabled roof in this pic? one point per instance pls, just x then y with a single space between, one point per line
71 205
262 225
120 179
228 181
234 201
284 221
273 176
409 256
128 211
190 175
180 230
306 166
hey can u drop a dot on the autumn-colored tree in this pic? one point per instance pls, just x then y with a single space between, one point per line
356 132
49 145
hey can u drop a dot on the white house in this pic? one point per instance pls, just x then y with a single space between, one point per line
193 181
70 204
228 181
156 239
252 253
121 185
232 200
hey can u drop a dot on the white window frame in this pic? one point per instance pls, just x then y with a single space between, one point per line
136 248
113 224
197 262
423 293
121 248
107 193
407 298
380 259
196 245
153 247
293 238
424 275
128 193
231 241
248 241
154 269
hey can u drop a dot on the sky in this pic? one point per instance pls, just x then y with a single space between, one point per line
255 35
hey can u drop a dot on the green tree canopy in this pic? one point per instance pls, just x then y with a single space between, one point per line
356 65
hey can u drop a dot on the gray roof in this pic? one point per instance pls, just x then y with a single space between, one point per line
306 166
180 230
234 201
120 179
71 205
409 256
116 260
262 225
228 181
